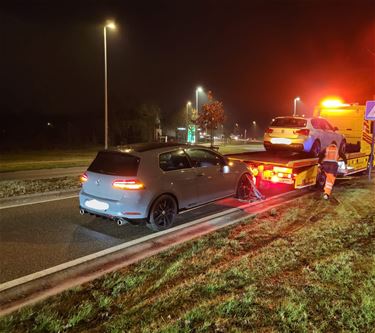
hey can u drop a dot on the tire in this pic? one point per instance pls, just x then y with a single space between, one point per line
320 179
343 147
316 148
244 190
162 213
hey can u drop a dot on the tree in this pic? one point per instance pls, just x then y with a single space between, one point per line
211 116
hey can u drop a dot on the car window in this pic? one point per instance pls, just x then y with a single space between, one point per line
315 123
205 158
328 125
324 125
289 122
114 163
173 160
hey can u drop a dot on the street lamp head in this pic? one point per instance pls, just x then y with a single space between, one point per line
254 122
297 99
110 25
199 89
188 103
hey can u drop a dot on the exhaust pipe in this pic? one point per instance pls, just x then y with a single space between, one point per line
121 221
82 211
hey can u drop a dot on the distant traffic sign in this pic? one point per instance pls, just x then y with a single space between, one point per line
370 110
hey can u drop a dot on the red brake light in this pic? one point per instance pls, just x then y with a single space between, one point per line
83 178
269 130
304 132
128 184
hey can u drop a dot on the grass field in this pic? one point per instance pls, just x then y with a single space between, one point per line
13 188
308 266
33 160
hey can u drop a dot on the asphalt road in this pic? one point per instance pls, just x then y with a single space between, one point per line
38 236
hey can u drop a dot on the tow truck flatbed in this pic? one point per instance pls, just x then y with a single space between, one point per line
294 168
280 158
300 169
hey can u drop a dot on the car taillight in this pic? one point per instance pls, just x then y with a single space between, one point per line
269 130
83 178
304 132
128 184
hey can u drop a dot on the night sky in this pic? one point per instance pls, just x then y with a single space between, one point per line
255 56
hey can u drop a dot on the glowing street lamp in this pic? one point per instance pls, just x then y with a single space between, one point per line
110 25
197 91
295 106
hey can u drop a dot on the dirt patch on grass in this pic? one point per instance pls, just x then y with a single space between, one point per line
306 266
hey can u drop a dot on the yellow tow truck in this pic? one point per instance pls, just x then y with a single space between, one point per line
300 169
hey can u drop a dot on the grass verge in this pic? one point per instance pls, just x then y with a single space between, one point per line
33 160
308 266
12 188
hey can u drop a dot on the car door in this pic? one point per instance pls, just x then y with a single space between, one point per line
329 133
178 177
319 132
212 181
334 136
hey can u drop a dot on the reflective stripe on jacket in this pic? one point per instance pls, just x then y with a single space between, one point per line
332 154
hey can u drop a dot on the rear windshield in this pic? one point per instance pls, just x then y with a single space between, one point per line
289 122
117 164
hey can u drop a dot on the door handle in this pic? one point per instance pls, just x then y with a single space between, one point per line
200 174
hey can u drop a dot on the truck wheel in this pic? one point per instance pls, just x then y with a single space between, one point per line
320 179
162 213
343 147
316 148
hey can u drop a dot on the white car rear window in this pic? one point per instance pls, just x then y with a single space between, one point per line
114 163
289 122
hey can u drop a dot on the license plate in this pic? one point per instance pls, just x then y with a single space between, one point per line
281 141
96 204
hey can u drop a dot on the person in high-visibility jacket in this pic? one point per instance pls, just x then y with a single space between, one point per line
328 159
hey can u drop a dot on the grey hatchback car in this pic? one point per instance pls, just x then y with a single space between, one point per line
156 181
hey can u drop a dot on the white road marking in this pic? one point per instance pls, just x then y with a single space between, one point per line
39 202
78 261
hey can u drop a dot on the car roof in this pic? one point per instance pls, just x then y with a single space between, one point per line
152 146
300 117
297 117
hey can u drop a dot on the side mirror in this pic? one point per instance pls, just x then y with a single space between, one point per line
335 128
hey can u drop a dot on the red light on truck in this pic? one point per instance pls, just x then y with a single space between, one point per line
83 178
269 130
303 132
128 184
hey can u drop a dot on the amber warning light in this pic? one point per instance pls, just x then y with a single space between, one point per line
333 103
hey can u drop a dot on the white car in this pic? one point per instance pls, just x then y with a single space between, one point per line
302 134
156 181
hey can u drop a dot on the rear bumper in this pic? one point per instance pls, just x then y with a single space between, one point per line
293 146
131 208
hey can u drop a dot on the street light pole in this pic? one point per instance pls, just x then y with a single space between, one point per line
110 25
295 106
197 91
187 120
